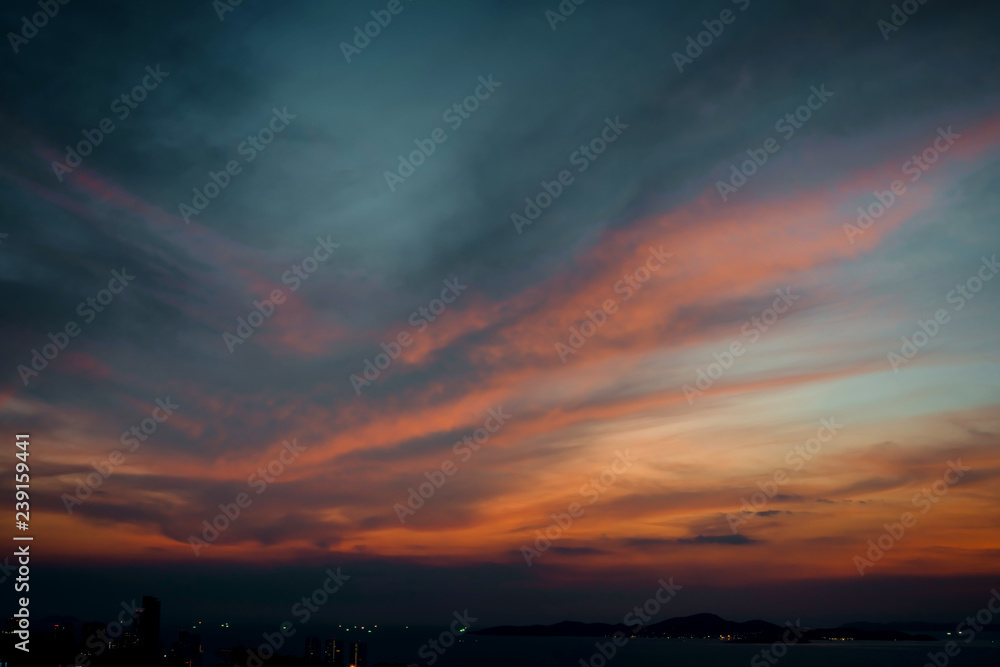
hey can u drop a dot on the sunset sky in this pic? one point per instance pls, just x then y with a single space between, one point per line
715 266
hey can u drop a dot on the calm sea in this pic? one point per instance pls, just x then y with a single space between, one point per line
402 645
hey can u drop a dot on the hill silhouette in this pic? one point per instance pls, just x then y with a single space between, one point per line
706 626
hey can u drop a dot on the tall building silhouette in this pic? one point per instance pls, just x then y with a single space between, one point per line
359 654
187 650
90 638
60 637
148 631
314 651
334 653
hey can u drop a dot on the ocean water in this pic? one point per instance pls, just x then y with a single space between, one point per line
568 652
404 645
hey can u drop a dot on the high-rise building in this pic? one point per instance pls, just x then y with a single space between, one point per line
63 632
314 650
334 653
129 639
359 654
149 630
187 650
90 637
60 637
